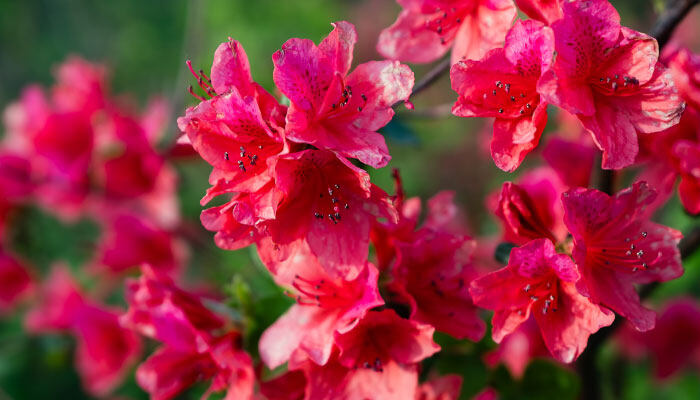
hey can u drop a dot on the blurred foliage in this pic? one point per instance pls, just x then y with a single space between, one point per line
145 43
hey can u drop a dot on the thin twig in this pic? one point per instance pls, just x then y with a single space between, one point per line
669 20
429 78
435 112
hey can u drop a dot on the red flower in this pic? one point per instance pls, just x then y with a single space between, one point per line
546 11
230 133
329 205
324 306
15 281
332 109
674 152
376 359
689 189
517 349
58 144
571 160
539 280
131 241
192 350
432 273
503 85
440 388
385 234
616 247
427 29
531 209
609 76
335 381
15 185
105 350
673 343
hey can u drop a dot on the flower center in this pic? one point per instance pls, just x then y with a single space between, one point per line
510 99
615 84
321 293
543 294
630 255
445 23
331 204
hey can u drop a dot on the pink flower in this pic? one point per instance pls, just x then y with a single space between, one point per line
392 339
432 274
15 185
329 204
685 69
335 381
105 351
571 160
503 85
517 349
15 281
384 234
427 29
674 342
324 306
169 371
332 109
130 241
440 388
289 386
192 351
674 152
375 359
531 209
689 189
80 86
537 280
609 76
59 146
230 133
616 247
546 11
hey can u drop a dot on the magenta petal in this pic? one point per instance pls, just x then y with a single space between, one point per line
566 331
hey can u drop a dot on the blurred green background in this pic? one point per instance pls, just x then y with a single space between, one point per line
145 45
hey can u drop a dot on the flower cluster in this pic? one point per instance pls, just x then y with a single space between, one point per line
372 276
78 153
294 193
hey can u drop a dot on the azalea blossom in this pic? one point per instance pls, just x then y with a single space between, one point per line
609 76
324 306
332 108
432 275
131 240
531 209
546 11
381 367
672 344
539 282
616 246
674 152
519 348
503 84
105 350
15 281
329 205
445 387
427 29
239 128
193 349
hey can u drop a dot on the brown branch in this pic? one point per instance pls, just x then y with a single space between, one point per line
429 78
